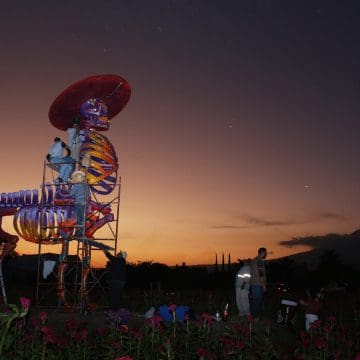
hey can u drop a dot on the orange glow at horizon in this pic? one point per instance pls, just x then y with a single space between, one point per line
174 215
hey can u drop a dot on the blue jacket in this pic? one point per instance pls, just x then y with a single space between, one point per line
80 192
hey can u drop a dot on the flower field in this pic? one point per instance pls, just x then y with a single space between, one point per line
29 333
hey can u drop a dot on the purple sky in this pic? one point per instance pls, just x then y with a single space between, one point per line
242 129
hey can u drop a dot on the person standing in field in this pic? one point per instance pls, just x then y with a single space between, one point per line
258 282
242 287
312 306
116 278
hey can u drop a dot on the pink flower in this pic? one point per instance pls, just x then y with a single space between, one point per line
203 353
102 331
126 357
246 332
137 333
167 343
123 329
236 327
315 325
326 328
239 345
70 324
250 319
34 324
43 317
155 321
299 356
49 335
304 339
25 303
83 333
319 342
227 342
206 318
172 308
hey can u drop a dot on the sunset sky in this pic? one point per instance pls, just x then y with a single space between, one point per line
242 129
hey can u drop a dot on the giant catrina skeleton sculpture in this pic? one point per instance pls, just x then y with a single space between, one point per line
43 217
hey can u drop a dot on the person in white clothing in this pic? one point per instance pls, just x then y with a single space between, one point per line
242 287
312 306
56 156
73 140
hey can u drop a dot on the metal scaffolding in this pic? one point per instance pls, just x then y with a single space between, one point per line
78 259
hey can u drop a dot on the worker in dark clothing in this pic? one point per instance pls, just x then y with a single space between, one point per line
116 278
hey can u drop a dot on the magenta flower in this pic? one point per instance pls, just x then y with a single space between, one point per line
304 339
49 335
167 343
203 353
137 333
25 303
70 324
236 327
246 332
83 333
206 318
239 345
28 337
319 342
126 357
315 325
299 356
123 329
172 308
102 331
43 317
155 321
326 328
357 356
250 319
227 342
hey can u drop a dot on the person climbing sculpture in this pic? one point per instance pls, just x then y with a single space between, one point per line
73 139
80 191
56 156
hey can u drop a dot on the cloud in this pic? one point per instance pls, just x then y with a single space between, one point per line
229 227
254 221
332 216
315 242
347 245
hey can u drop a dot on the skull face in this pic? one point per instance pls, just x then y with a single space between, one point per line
94 113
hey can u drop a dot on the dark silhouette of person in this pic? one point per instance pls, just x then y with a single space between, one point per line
116 278
258 282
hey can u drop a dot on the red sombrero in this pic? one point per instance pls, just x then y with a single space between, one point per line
112 89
